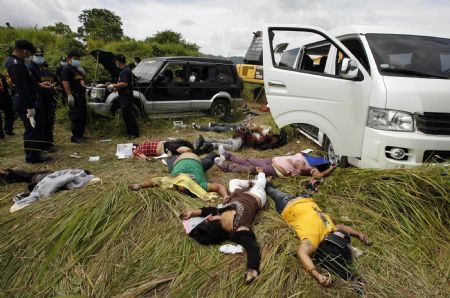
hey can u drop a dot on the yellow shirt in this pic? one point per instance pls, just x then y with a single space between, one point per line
308 220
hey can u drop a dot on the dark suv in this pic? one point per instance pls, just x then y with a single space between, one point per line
172 86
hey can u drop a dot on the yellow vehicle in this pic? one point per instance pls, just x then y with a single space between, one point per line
252 70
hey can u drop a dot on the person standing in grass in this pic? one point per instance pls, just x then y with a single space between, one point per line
125 89
322 241
74 86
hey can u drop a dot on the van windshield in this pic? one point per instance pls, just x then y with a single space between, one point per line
410 55
146 70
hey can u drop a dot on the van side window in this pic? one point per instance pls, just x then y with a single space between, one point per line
355 46
201 73
224 74
305 51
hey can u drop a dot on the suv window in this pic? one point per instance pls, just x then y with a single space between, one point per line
201 73
356 47
224 74
174 72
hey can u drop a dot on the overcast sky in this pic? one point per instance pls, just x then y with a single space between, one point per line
225 27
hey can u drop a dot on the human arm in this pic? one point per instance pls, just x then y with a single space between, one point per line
188 214
138 186
247 239
305 252
18 74
316 173
218 188
354 233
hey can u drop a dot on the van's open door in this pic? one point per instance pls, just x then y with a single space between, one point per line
316 88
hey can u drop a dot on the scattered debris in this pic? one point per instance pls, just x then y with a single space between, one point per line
94 158
124 150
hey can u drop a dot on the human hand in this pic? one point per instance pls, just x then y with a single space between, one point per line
259 170
186 215
110 87
31 113
323 280
32 121
250 275
226 199
134 187
46 85
364 239
70 100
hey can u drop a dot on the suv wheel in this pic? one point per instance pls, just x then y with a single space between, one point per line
220 108
334 158
116 111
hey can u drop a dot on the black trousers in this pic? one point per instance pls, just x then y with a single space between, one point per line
78 116
32 140
44 120
7 107
126 105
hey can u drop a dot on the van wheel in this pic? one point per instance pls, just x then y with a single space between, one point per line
220 108
339 160
116 111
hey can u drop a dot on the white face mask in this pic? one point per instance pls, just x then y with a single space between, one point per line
76 63
38 59
63 63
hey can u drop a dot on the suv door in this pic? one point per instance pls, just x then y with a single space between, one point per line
203 85
170 91
313 90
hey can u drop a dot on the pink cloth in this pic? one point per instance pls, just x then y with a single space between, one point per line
294 164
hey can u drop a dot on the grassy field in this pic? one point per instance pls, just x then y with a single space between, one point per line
105 241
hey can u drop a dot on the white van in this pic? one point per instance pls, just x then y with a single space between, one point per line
375 97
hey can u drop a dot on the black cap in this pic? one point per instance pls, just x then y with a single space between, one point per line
74 53
121 58
24 45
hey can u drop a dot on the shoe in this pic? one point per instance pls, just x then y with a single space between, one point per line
40 159
199 143
222 152
51 149
207 147
218 161
83 138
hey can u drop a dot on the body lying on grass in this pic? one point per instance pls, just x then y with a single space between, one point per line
195 167
322 241
151 148
234 220
278 166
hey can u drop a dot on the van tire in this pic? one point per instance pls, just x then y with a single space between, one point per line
339 160
220 108
117 113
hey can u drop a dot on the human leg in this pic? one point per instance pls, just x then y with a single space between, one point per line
280 198
208 161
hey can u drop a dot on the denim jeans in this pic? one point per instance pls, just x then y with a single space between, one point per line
280 198
218 127
233 144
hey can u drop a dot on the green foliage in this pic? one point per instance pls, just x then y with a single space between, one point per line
173 38
101 24
62 29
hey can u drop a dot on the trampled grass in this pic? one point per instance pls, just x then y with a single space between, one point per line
106 241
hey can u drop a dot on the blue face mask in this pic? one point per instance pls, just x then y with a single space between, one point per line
76 63
38 59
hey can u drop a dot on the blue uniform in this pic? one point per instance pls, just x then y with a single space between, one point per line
44 107
6 107
126 102
25 93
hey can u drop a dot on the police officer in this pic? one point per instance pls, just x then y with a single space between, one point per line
74 86
25 92
6 107
44 105
125 89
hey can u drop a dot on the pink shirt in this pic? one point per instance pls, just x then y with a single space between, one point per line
294 164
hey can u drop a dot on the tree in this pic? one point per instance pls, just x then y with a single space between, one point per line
101 24
61 28
171 37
